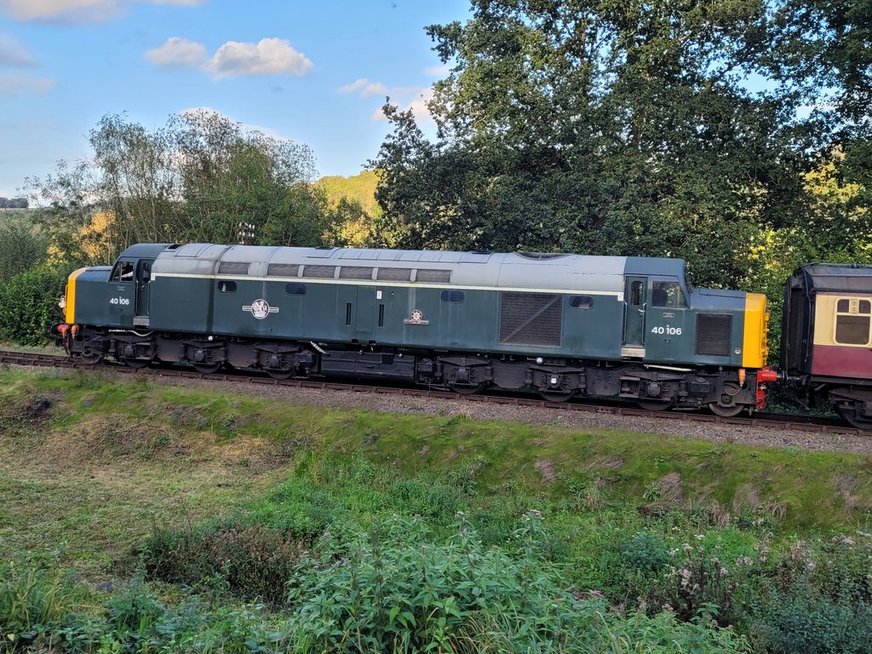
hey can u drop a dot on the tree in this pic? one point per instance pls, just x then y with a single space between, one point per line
228 177
194 179
601 127
22 247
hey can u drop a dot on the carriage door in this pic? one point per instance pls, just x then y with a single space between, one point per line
143 277
635 303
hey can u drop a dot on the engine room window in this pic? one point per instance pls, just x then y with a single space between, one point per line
853 320
123 272
295 289
667 294
453 296
581 301
227 286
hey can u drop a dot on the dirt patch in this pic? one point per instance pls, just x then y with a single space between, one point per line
670 489
40 408
546 469
845 484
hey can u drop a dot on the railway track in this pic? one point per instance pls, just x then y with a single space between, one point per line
810 424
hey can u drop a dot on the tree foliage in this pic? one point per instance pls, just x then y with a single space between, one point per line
29 304
194 179
22 246
620 128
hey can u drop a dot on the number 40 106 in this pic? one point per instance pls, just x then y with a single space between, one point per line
669 331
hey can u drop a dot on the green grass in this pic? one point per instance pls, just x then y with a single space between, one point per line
104 476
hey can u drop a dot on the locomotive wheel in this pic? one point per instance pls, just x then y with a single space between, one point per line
136 364
207 368
466 389
726 411
91 358
654 405
279 373
556 396
849 414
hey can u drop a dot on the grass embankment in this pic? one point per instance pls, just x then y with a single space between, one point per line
359 530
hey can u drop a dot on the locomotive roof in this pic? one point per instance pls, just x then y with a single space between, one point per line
510 270
836 277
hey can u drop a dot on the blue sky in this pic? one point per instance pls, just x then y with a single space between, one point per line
313 72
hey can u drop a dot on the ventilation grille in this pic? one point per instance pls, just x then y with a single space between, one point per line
713 334
232 268
394 274
322 272
531 319
355 272
283 270
434 276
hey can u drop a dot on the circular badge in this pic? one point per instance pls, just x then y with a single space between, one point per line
260 309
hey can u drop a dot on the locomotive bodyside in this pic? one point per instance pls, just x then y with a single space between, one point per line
558 324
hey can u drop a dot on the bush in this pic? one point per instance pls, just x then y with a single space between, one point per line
396 593
28 304
816 599
249 562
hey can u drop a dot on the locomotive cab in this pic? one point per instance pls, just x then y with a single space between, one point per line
109 297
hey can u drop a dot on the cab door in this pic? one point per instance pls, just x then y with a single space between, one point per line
143 277
635 306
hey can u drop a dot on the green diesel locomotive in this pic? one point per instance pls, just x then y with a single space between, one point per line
561 325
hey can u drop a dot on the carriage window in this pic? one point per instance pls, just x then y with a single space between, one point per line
853 319
145 271
295 289
636 294
226 286
667 294
123 272
453 296
581 301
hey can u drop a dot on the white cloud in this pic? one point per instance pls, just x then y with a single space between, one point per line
77 12
269 56
364 87
177 52
18 84
12 53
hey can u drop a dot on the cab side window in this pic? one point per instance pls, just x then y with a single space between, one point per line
667 294
123 272
853 319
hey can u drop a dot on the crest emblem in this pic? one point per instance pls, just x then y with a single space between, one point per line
417 318
260 309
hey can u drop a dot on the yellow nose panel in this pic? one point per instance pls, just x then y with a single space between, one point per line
755 347
70 307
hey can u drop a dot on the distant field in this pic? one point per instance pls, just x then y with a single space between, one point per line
235 499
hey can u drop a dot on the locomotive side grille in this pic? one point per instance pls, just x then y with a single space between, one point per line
322 272
713 332
283 270
355 272
394 274
433 276
232 268
531 319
